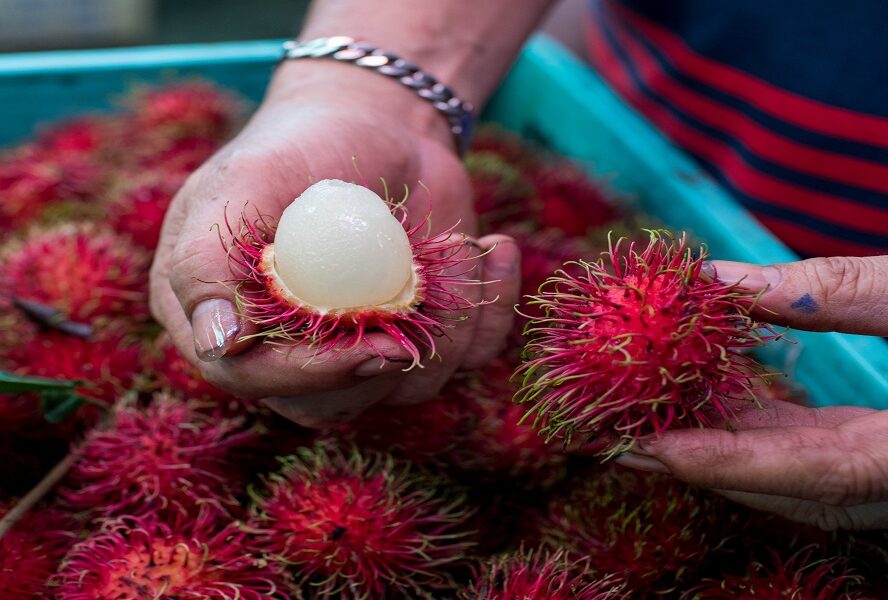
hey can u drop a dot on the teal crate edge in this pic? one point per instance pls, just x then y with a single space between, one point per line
73 61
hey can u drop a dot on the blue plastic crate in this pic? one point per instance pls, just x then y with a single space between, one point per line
550 96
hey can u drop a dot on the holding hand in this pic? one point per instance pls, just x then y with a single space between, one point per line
316 118
826 466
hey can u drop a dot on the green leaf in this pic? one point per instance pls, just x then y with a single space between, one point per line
58 404
17 384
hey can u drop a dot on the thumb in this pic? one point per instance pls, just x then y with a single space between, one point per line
840 293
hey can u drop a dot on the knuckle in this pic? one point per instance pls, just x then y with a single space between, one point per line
837 278
850 476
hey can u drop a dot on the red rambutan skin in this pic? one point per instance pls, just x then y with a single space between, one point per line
31 551
189 109
178 377
87 272
425 434
802 576
34 179
137 558
168 458
639 342
570 201
471 427
106 367
138 204
650 530
503 193
440 263
500 443
541 575
353 525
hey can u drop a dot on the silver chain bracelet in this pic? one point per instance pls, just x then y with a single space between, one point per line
345 49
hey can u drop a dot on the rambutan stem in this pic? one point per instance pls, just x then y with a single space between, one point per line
43 487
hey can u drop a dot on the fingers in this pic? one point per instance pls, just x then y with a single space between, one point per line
502 274
820 294
839 466
824 516
777 413
423 383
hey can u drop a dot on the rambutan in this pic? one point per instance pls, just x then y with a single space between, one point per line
500 443
638 342
343 263
803 576
650 530
85 271
188 109
541 575
168 458
83 135
134 558
31 551
425 434
508 146
346 524
570 201
33 180
502 192
174 157
138 204
105 366
179 377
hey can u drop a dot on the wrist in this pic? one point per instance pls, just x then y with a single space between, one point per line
298 82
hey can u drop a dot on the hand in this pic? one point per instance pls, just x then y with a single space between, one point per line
827 466
316 117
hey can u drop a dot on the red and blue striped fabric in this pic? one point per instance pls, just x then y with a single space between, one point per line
785 103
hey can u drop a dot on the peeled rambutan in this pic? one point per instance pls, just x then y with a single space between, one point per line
347 524
341 264
639 341
135 558
31 551
650 530
192 108
85 271
570 201
541 575
502 192
168 458
803 576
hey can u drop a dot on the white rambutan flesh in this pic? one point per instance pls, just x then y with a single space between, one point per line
338 246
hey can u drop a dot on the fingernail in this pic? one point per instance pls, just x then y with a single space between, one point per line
641 463
503 261
753 278
216 325
379 365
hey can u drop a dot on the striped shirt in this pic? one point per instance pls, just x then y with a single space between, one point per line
785 103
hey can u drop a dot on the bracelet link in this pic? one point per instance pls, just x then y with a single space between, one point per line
459 113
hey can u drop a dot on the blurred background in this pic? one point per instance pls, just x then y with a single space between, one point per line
27 25
55 24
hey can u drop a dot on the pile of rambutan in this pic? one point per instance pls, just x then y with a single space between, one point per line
124 475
